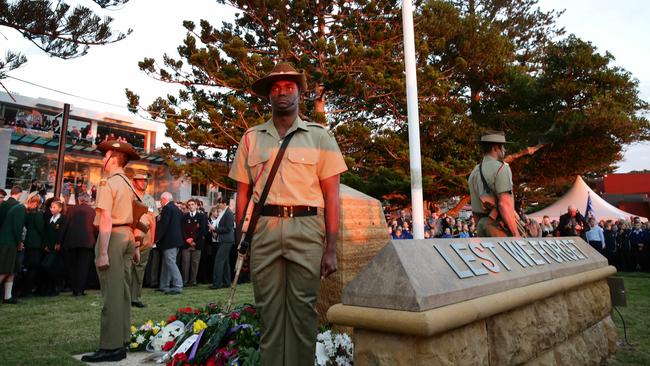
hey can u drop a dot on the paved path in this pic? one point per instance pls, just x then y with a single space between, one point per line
132 359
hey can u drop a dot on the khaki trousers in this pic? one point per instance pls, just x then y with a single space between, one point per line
137 275
285 265
115 287
488 228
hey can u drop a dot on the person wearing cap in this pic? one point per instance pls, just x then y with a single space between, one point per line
114 251
499 220
294 246
11 242
144 241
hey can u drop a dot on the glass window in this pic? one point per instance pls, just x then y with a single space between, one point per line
112 132
199 189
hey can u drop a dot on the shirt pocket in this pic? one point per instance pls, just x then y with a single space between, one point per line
307 156
256 161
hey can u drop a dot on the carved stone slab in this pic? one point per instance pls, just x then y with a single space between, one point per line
418 275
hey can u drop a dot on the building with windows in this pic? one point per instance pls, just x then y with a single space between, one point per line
29 142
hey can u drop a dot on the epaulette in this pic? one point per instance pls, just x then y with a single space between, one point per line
314 124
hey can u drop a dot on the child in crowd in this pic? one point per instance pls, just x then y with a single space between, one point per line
53 261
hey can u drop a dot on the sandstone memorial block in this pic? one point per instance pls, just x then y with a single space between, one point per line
362 234
481 301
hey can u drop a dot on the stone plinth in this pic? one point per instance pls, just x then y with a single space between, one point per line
362 234
430 303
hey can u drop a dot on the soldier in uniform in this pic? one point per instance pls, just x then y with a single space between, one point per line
144 241
499 220
294 245
114 252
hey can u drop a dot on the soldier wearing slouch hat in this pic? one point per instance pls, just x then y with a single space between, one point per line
115 251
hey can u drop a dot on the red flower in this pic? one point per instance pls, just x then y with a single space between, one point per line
172 318
234 316
168 345
196 311
211 361
180 357
250 309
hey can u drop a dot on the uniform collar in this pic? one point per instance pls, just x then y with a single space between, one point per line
269 127
489 157
117 171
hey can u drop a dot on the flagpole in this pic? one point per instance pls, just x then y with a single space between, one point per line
413 121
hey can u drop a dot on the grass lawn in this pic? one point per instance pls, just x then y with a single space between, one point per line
48 330
637 320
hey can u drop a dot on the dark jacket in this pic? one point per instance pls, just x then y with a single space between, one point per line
78 231
5 207
196 228
11 232
54 232
226 228
35 225
169 230
566 226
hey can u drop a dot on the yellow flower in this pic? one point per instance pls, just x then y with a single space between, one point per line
133 329
155 330
163 323
198 326
150 322
134 345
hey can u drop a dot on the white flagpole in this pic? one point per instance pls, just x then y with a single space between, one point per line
413 121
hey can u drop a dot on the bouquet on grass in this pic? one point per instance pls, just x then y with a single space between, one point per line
212 337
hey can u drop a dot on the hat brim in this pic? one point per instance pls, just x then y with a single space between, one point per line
262 87
128 150
494 142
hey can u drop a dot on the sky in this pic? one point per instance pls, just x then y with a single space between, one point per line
620 27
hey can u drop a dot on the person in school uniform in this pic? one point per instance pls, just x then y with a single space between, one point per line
195 228
11 242
34 246
52 265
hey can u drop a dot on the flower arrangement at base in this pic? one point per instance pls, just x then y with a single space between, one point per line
212 337
333 349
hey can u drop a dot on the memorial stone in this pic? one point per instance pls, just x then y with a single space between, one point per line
524 301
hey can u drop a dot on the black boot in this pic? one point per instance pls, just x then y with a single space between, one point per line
104 355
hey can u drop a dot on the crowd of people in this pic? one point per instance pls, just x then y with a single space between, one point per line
55 244
75 134
625 243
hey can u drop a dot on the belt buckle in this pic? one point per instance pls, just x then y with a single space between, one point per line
283 213
291 211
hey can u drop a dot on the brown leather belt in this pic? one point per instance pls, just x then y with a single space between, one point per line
119 225
479 215
289 211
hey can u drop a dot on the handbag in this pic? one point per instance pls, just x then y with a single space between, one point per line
254 210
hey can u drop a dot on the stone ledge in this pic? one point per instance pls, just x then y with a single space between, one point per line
435 321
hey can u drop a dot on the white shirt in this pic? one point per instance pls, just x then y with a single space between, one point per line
54 218
219 218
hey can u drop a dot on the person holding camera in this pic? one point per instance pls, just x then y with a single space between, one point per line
572 223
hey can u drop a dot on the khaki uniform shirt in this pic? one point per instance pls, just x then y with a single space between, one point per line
115 194
312 155
498 176
149 220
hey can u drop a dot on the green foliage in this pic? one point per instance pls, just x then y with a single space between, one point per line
481 64
56 28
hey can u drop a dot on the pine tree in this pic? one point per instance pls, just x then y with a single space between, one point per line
56 28
481 64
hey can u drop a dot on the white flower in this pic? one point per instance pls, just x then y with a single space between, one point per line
321 356
342 361
323 336
140 339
